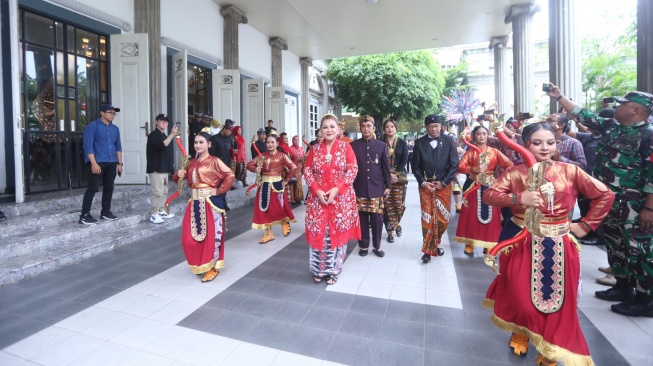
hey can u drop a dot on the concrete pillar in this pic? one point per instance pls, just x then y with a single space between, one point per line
501 74
521 17
645 46
232 17
278 45
147 16
564 50
305 63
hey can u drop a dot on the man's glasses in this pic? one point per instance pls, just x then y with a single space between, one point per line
113 113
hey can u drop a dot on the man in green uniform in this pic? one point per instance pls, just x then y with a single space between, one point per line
624 162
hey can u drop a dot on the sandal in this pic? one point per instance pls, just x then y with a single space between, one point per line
469 249
543 361
317 279
519 344
398 230
286 228
210 275
332 280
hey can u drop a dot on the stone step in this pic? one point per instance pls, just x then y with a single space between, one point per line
75 251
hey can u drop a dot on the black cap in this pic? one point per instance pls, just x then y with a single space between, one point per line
432 118
261 131
162 117
108 107
229 124
207 116
198 115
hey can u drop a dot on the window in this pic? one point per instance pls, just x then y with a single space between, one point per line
313 122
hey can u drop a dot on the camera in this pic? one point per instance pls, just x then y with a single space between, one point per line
525 115
608 100
546 87
178 125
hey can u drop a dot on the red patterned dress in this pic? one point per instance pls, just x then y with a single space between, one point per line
330 227
202 233
536 292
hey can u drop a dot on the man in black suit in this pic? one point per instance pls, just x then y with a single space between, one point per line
372 185
435 164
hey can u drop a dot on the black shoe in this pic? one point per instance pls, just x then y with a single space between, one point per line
615 293
2 216
391 238
440 252
87 219
379 253
426 258
108 215
641 305
398 231
591 241
362 252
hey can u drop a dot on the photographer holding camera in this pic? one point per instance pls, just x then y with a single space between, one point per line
159 166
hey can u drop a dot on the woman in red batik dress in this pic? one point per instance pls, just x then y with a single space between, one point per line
331 210
535 296
479 225
203 228
241 156
271 204
298 159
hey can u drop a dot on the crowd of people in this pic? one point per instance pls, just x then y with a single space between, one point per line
523 180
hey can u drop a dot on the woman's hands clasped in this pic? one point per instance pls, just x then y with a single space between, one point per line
326 198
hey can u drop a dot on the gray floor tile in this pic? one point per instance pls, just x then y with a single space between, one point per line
362 325
473 286
351 350
262 273
447 339
401 331
256 305
370 305
432 357
324 318
297 265
271 333
39 305
289 312
60 312
277 263
304 295
235 325
20 330
335 300
247 285
96 295
290 254
227 300
393 354
273 290
406 311
204 319
309 342
70 292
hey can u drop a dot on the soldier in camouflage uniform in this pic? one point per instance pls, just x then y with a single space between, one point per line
624 162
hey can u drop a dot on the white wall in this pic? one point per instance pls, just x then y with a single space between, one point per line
122 9
254 53
198 26
292 72
3 157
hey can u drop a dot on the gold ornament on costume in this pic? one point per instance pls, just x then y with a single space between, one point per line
206 130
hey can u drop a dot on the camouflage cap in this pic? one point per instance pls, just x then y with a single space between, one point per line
641 98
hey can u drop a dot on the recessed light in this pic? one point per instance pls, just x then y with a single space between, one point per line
352 48
372 1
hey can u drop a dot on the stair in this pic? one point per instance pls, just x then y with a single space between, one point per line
42 234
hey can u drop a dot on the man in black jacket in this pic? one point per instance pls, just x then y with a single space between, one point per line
159 166
260 143
435 164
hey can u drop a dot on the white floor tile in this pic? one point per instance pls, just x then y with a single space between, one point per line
410 279
175 289
141 333
146 306
379 275
286 359
450 299
7 359
41 342
150 285
346 285
247 354
209 347
143 358
85 318
375 289
173 342
112 326
174 312
71 349
407 293
121 300
107 354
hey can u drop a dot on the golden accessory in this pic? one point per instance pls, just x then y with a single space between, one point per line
206 130
328 158
201 193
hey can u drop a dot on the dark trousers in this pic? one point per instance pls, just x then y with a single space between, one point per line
106 179
376 221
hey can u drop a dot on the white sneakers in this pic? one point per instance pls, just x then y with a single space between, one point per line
158 218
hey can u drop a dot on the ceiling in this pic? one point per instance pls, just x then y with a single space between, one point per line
322 29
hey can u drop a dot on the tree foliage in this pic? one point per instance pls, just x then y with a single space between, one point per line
405 85
456 78
609 65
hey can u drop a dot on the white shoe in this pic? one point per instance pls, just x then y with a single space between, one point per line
608 280
156 219
606 270
165 215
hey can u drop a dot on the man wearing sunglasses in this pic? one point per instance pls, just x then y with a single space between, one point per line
624 162
103 156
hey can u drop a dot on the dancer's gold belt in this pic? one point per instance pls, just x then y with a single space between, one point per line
200 193
551 227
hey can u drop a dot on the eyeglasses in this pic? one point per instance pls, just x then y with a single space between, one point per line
113 113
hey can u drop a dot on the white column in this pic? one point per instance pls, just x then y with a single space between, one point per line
147 16
277 46
501 73
232 18
564 50
521 17
305 63
645 46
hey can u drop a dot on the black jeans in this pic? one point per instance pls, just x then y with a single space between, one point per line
106 179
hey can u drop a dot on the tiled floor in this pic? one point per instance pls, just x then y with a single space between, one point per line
140 305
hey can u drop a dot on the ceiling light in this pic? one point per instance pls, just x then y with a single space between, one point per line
372 1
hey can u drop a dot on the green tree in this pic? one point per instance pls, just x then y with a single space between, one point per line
457 78
609 65
406 85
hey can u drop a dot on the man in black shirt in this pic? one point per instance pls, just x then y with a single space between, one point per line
270 128
222 143
194 127
159 166
260 143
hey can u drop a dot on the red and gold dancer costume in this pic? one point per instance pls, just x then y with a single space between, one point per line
203 228
330 227
271 204
240 156
298 159
536 293
479 224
